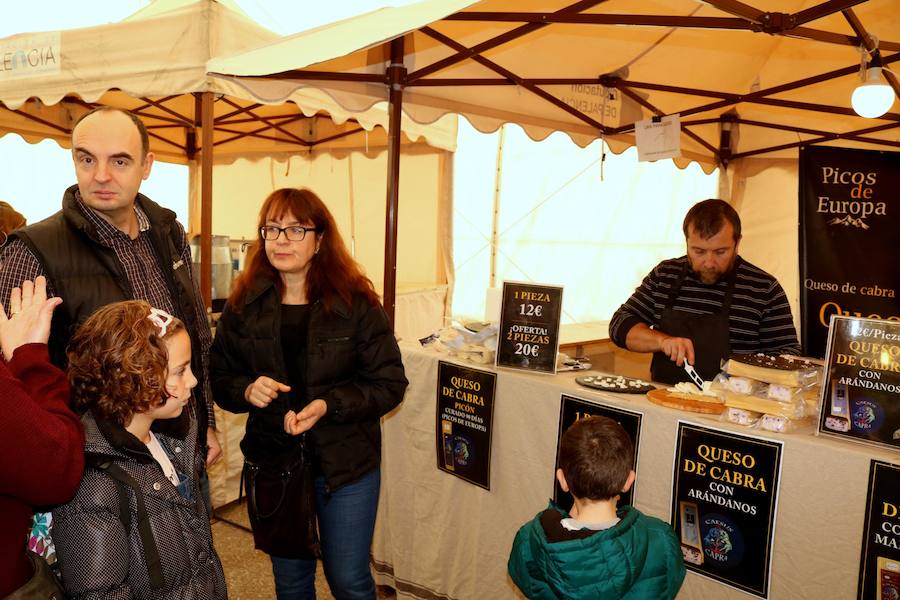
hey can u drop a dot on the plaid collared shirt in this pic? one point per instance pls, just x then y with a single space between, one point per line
141 266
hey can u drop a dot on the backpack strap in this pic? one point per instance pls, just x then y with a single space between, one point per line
123 479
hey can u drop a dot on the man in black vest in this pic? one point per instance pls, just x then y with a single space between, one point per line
110 243
705 305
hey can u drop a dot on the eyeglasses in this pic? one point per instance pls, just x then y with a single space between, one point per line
295 233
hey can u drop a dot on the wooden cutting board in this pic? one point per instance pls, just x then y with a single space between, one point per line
684 402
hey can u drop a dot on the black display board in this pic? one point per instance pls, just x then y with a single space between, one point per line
571 409
879 563
861 391
529 326
724 498
849 219
465 410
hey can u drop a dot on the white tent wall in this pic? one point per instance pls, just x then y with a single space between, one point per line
764 191
353 187
561 224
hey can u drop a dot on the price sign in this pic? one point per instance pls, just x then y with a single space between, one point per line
529 326
861 390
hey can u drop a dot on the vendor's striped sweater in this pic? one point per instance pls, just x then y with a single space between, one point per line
759 321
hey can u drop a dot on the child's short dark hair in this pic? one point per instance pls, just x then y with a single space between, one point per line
596 456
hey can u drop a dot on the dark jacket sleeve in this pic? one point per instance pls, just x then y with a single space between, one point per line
227 367
41 439
204 389
380 380
639 308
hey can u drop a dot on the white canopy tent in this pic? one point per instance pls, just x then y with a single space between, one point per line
154 64
746 80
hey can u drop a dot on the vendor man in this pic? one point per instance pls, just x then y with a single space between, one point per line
701 307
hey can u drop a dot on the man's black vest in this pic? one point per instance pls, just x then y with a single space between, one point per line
87 275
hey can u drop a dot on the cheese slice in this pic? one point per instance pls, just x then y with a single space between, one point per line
791 410
776 376
698 397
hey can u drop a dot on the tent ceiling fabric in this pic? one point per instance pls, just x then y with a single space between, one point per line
154 63
781 72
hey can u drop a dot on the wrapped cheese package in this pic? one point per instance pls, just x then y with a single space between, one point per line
785 370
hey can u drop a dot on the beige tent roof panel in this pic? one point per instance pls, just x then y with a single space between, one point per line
154 63
781 70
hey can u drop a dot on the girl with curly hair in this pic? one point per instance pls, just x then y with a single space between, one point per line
137 527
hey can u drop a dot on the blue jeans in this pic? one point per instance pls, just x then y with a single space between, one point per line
346 526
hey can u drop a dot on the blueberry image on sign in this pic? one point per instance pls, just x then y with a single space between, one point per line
723 542
867 416
462 451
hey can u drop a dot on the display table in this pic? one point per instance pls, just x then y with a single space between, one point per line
438 536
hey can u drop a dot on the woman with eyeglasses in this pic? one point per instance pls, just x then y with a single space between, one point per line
306 348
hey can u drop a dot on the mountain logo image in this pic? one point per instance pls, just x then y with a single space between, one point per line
849 222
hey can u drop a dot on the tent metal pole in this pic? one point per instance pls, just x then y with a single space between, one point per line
495 218
206 172
396 77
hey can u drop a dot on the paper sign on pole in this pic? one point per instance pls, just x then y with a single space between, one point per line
658 138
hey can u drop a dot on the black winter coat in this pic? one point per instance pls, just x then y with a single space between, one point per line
98 558
353 364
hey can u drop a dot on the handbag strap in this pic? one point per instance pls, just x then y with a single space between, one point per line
253 471
122 479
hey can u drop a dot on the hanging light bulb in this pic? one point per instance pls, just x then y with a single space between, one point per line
873 96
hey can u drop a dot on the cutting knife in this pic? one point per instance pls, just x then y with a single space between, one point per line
695 377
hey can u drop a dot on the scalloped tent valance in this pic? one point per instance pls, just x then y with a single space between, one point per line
757 78
154 64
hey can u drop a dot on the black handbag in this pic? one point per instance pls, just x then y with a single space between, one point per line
43 585
281 504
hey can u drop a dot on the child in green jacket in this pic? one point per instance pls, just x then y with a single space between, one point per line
596 551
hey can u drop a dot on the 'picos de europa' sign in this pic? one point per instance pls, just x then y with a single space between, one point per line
724 503
529 326
849 219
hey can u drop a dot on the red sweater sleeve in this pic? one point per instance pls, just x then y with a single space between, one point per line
41 439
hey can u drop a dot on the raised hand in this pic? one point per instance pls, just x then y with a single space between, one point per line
30 314
297 423
262 391
678 349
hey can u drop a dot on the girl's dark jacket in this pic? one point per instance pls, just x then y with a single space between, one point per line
353 363
100 559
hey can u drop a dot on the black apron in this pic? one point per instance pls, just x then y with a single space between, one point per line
709 333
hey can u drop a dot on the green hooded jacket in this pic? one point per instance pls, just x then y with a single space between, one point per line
637 559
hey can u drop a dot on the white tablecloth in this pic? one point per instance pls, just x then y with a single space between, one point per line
440 537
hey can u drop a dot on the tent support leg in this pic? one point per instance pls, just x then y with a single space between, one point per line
206 169
396 76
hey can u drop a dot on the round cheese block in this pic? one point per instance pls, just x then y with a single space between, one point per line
783 362
689 402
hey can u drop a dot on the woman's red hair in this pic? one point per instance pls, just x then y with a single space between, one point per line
333 274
